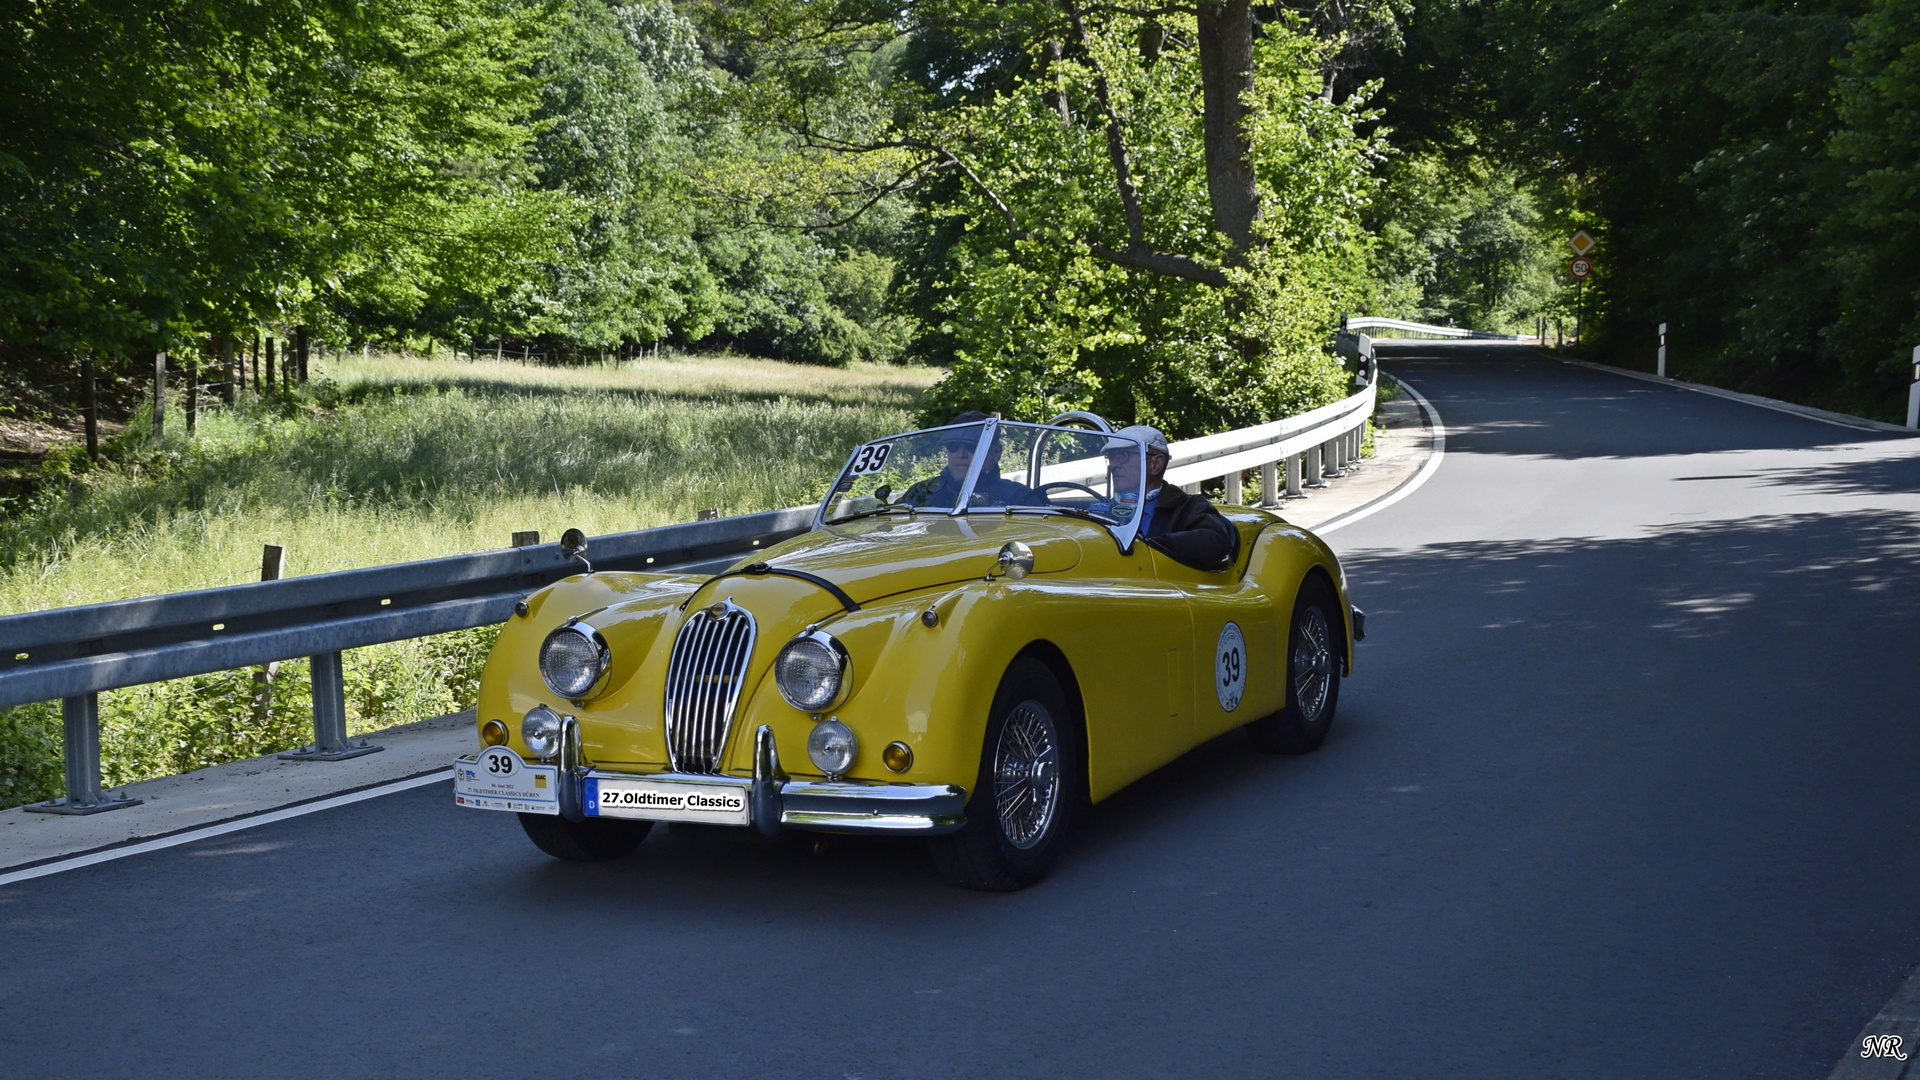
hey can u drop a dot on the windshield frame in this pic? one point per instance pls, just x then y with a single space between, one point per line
1123 534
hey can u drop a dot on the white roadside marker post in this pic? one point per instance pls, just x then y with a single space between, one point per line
1913 392
1663 350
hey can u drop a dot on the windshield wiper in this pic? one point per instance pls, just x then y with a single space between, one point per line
888 508
1071 511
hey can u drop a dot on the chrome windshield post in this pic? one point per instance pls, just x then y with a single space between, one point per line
988 431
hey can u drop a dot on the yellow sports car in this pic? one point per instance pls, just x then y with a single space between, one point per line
970 643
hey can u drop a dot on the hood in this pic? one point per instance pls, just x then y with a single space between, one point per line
881 557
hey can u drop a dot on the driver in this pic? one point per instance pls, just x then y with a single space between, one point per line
1186 527
992 489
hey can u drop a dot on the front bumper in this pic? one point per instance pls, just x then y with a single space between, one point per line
769 802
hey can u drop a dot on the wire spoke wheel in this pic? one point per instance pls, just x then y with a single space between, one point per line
1026 774
1312 664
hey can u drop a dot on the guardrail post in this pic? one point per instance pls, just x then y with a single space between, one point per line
1296 468
81 720
1312 459
330 716
1270 484
1334 464
1233 488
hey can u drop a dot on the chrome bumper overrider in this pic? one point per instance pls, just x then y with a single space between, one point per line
778 802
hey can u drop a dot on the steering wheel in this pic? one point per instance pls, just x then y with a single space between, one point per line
1045 488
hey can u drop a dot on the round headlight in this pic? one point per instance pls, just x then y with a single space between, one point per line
812 671
832 746
541 731
572 659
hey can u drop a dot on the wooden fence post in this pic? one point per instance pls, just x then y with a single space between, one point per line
89 406
256 361
159 395
300 350
223 348
269 363
193 390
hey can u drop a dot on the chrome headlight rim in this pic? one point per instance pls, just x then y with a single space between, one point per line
540 732
603 655
837 655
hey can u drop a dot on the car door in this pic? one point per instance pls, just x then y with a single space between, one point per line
1232 674
1129 638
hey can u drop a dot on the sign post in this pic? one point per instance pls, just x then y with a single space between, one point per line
1662 370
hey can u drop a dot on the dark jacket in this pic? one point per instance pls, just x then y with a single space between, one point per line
1191 531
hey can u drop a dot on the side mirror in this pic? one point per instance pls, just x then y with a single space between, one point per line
1015 561
573 544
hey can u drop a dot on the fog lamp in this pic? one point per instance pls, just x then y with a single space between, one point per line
831 746
541 731
898 756
493 733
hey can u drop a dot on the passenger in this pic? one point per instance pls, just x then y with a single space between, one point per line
991 489
1186 527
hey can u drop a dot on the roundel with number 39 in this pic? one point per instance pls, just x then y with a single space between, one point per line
1230 667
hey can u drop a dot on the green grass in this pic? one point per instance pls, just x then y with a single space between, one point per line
389 460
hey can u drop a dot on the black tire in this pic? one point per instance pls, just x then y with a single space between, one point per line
1000 853
592 840
1313 676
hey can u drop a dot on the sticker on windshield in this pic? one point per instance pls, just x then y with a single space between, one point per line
1230 667
870 459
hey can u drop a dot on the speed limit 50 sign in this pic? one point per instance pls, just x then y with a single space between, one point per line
1580 268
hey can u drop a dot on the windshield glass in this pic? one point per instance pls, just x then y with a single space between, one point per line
923 470
993 466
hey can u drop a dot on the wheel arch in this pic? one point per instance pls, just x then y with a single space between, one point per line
1318 573
1051 655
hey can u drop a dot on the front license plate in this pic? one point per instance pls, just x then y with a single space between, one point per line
658 801
499 779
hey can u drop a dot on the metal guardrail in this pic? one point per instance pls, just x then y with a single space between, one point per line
1369 322
73 654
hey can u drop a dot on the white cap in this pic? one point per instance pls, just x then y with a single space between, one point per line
1149 435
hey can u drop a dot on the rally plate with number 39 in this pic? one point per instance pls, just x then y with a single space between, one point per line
499 779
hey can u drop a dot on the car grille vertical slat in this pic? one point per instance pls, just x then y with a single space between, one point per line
705 672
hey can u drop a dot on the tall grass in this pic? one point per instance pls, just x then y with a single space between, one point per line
390 460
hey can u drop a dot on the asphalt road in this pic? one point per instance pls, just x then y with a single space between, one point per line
1624 786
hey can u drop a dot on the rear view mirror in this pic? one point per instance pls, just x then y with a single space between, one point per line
573 544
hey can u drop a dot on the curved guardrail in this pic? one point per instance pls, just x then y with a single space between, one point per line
1369 322
72 654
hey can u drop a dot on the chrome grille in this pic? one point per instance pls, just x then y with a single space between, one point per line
704 676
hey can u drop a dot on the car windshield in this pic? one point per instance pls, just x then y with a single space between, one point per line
993 466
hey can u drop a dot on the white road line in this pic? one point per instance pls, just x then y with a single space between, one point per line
1438 431
189 836
1839 420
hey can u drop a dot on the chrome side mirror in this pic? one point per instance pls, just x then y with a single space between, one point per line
573 544
1015 561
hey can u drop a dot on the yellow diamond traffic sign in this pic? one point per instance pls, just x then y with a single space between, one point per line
1581 242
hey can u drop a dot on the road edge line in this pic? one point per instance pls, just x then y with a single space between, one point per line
1436 435
231 825
1805 412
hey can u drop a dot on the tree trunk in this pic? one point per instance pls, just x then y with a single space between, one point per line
1226 76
